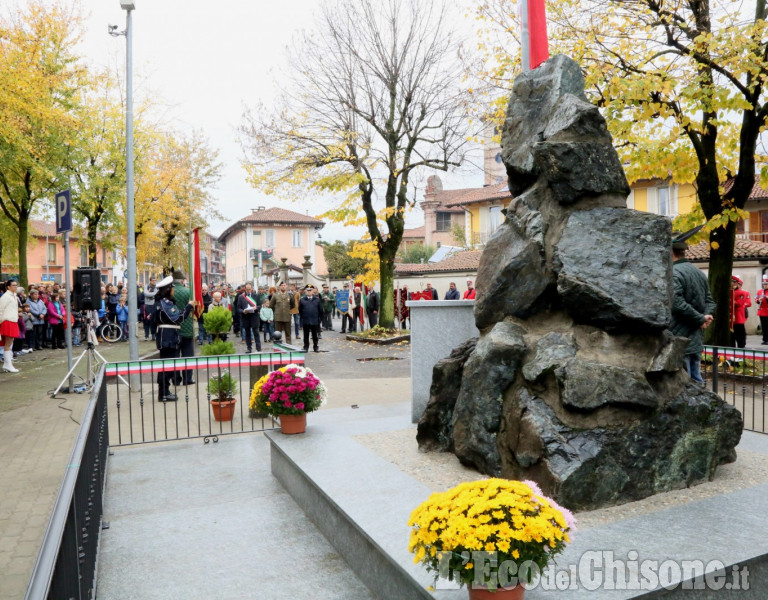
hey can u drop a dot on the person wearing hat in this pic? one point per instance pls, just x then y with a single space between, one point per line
182 296
692 306
168 337
740 301
762 308
310 310
282 303
470 293
328 302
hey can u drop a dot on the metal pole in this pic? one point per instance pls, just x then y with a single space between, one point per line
525 37
133 338
68 321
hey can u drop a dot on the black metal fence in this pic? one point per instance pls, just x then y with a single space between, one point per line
119 416
140 414
739 376
66 563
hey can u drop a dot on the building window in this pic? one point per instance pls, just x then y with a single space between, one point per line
51 253
270 238
296 238
257 240
665 207
443 221
494 218
83 255
103 257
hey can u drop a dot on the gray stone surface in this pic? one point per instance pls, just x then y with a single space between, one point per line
588 386
586 468
511 275
726 528
477 415
454 321
189 520
552 350
614 269
435 431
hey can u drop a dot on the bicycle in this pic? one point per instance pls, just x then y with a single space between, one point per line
109 331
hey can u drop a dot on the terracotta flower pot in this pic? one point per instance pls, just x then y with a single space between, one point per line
481 593
290 424
223 411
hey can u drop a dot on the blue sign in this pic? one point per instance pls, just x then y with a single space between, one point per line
342 300
63 212
46 277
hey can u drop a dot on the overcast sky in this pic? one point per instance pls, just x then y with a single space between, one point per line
209 59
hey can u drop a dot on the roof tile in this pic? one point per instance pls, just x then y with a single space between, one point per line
461 261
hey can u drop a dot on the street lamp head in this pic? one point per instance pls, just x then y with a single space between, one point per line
127 4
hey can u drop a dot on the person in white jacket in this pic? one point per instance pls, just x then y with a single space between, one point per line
9 323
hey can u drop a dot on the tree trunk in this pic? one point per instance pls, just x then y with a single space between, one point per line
720 265
92 244
23 237
387 280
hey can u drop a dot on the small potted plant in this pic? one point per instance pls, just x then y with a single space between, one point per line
218 322
222 388
288 394
493 535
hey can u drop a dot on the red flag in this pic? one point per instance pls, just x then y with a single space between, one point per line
537 31
197 278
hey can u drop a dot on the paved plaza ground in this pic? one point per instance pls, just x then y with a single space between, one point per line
37 432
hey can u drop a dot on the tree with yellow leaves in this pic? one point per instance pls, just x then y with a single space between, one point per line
682 87
175 174
373 96
40 76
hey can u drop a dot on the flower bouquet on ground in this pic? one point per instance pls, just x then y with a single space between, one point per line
492 535
289 394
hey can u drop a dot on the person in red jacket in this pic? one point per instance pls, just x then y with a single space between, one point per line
740 301
762 309
470 293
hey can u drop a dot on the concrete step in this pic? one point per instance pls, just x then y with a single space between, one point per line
361 503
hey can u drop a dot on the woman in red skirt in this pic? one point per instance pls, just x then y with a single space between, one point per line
9 323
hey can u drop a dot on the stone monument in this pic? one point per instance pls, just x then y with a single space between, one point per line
574 381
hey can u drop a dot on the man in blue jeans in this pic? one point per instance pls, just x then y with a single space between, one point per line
692 305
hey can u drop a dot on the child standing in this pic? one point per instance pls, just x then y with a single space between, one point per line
267 317
122 317
30 328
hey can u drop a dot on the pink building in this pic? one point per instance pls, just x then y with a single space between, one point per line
272 234
45 255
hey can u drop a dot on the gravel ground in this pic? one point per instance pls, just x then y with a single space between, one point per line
441 470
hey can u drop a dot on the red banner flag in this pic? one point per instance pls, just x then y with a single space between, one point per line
197 278
537 31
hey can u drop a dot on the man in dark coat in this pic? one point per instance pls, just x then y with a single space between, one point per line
692 306
248 308
452 293
372 307
310 310
181 296
168 338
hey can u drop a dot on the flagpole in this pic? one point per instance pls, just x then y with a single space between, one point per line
525 37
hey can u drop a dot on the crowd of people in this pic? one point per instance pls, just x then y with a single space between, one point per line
36 318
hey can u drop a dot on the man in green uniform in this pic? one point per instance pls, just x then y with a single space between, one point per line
181 297
328 300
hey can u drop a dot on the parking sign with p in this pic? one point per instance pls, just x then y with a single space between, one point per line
63 212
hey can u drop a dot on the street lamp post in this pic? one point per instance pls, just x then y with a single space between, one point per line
133 339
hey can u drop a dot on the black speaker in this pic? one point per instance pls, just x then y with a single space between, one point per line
87 288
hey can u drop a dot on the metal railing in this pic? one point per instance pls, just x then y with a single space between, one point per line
140 415
66 562
740 377
116 416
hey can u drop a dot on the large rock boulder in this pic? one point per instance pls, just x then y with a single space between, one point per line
486 375
575 382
